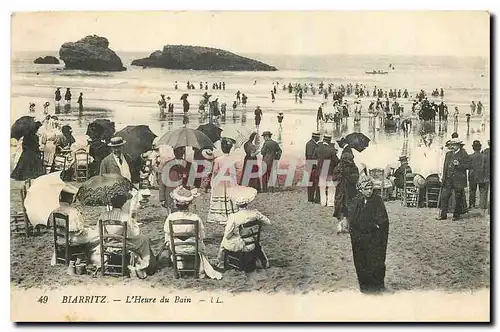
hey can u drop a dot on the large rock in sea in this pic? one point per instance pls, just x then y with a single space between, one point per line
90 53
47 60
200 58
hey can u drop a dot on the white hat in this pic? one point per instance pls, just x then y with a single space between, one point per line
70 189
207 154
242 195
182 196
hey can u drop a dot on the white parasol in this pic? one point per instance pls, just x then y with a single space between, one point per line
43 197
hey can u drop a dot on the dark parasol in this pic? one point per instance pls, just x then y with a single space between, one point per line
23 126
357 141
139 139
101 129
212 131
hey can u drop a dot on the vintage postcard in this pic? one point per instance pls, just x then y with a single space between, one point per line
321 166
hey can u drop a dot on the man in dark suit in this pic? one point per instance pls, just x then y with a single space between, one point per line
476 173
118 162
399 174
326 155
456 164
313 189
270 151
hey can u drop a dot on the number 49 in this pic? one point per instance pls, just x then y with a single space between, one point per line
43 299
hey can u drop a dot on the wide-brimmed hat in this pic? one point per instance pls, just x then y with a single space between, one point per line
116 141
267 133
419 181
476 143
70 189
207 154
182 196
455 141
241 195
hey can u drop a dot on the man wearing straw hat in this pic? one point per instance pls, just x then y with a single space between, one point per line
327 161
455 167
312 190
270 151
118 162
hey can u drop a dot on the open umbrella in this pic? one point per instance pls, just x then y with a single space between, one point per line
212 131
186 137
184 96
23 126
139 139
99 189
101 129
42 197
357 141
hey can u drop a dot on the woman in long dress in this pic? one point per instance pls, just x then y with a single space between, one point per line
184 245
347 175
251 148
30 164
224 167
232 240
368 225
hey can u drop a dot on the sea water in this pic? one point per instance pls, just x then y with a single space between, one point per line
131 97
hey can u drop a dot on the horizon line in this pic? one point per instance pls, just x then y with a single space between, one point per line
290 54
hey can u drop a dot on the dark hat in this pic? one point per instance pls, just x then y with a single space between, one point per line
267 133
316 134
403 158
327 138
476 143
116 141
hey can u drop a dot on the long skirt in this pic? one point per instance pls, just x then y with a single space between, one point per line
253 182
29 166
369 253
140 246
221 206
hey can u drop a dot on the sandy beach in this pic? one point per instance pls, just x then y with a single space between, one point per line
304 250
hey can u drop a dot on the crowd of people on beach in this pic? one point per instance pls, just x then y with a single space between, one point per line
334 179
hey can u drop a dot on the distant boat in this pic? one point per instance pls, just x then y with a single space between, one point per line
375 72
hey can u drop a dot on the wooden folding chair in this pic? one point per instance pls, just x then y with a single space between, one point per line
19 222
432 196
60 162
81 165
245 261
64 251
410 191
188 257
113 246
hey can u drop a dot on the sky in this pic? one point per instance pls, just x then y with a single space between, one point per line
445 33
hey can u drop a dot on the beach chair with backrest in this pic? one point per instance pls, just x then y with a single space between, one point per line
19 222
185 254
410 191
63 250
245 261
81 165
113 247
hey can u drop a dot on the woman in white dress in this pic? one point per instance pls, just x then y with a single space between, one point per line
183 198
224 176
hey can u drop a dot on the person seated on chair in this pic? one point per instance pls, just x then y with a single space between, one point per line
78 233
182 198
399 173
137 243
232 239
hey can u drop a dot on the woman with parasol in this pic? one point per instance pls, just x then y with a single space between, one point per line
30 164
347 175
